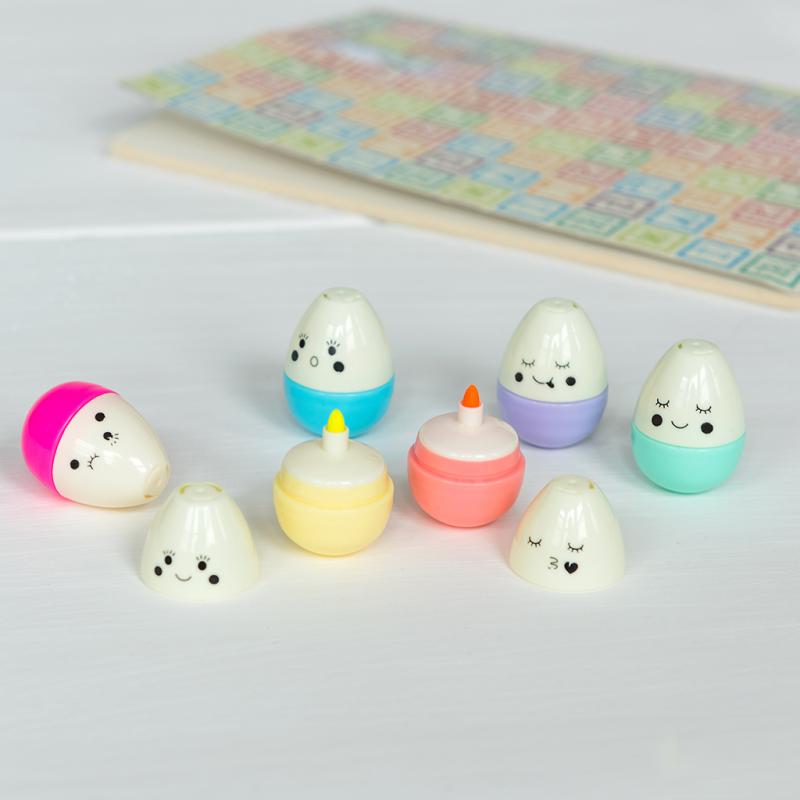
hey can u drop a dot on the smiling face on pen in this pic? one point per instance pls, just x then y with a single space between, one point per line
691 399
199 546
554 355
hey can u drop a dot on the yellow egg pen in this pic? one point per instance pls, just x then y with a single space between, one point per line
332 495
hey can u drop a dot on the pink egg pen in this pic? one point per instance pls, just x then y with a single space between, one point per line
465 468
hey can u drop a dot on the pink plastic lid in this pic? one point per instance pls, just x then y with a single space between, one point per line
48 419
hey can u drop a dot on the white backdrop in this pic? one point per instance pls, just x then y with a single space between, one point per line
422 665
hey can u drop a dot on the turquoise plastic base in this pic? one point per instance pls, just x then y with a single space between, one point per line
311 408
687 470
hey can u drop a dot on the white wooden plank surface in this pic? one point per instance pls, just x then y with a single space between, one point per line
423 666
423 663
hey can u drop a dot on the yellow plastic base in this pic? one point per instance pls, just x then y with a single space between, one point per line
332 531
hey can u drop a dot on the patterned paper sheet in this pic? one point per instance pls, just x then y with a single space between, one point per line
694 168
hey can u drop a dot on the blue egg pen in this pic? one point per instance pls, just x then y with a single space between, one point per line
311 407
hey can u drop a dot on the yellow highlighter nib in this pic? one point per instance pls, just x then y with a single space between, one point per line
336 422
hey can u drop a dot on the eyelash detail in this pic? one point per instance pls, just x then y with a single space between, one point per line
562 366
203 558
333 343
574 549
91 461
168 552
660 404
535 544
703 410
528 363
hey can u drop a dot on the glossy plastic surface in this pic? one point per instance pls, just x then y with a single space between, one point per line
339 345
465 468
332 495
199 546
554 355
45 423
569 540
469 434
105 454
552 386
686 470
551 425
311 407
688 428
333 531
691 398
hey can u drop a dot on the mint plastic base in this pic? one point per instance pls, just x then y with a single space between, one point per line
687 470
311 408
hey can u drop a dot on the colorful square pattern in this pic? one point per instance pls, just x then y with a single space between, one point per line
699 170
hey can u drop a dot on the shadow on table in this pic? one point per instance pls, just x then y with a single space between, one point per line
259 383
13 469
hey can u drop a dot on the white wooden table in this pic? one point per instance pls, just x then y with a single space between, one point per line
423 666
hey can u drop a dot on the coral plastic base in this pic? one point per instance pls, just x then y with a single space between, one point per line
459 499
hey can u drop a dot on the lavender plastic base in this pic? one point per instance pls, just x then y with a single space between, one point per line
551 425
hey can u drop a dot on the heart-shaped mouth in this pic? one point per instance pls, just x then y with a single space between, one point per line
570 566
